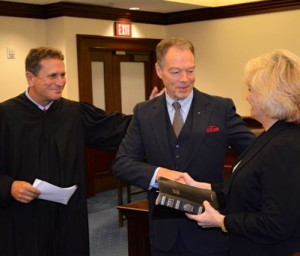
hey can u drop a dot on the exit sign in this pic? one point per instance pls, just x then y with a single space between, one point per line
122 29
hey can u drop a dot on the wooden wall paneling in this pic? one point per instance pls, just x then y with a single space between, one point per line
60 9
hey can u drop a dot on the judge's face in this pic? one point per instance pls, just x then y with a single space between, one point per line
48 84
177 72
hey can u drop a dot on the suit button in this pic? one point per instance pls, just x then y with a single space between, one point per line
177 146
177 156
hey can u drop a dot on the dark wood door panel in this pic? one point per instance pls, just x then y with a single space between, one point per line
111 52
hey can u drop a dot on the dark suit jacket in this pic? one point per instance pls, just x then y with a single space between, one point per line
263 195
200 151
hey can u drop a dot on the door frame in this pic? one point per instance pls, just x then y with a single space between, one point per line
88 43
99 180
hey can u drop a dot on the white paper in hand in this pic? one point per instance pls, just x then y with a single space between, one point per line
54 193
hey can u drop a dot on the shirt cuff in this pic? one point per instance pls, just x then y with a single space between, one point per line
153 183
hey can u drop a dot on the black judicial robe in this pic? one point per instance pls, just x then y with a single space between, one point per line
49 146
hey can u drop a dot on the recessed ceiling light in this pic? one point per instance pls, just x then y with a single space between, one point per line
134 8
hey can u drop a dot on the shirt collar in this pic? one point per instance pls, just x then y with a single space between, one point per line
185 103
33 101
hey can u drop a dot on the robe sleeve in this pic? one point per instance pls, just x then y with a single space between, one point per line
103 130
5 188
5 180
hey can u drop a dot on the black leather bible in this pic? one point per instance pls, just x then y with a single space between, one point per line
183 197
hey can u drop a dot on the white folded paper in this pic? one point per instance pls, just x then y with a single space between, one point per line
54 193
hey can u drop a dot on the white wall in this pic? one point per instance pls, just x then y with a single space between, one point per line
223 47
21 34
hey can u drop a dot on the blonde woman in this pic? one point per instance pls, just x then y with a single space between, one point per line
260 201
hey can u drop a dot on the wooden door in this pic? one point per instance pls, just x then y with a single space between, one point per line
108 68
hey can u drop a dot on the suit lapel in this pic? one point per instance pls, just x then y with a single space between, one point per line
158 120
200 111
255 149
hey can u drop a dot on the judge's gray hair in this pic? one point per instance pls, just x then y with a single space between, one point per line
36 55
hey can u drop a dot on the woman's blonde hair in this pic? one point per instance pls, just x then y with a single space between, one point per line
275 79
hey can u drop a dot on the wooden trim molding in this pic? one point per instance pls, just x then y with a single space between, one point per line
60 9
232 11
22 10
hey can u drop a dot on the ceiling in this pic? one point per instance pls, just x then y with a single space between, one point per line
159 6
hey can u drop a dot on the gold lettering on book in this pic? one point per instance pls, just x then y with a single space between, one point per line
176 191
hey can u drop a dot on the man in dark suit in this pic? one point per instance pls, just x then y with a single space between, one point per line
152 149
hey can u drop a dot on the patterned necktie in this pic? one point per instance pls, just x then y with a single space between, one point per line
178 120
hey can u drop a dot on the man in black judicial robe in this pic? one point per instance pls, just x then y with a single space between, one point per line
49 146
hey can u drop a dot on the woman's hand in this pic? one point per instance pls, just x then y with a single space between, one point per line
210 218
184 177
169 174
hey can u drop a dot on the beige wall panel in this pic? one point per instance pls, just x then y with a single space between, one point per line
224 46
21 34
